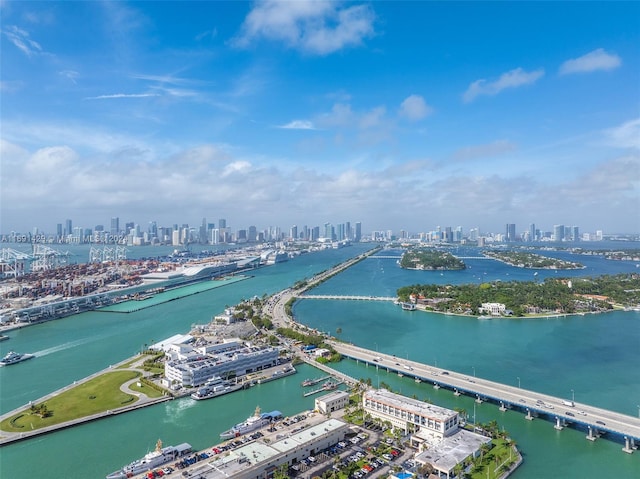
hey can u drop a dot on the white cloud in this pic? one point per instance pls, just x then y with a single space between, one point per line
592 61
414 108
298 125
10 86
510 79
496 148
626 135
121 95
20 38
70 75
340 115
312 26
373 118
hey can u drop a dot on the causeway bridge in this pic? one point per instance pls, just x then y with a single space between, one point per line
596 421
348 297
475 257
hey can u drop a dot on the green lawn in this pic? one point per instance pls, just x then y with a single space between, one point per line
96 395
499 454
146 389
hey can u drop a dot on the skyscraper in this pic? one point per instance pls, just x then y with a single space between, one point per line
511 232
358 234
115 226
532 232
558 232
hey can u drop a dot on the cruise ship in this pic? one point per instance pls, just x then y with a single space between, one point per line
158 457
13 358
252 423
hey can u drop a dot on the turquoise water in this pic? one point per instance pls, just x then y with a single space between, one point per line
596 356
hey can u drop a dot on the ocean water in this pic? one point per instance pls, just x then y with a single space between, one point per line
594 355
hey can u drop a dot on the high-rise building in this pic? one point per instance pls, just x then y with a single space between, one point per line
358 233
575 233
511 232
532 232
558 232
68 227
448 234
293 232
115 226
328 231
222 223
457 234
253 234
202 233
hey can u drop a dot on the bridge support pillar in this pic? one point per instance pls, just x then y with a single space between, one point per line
478 400
529 416
436 386
456 392
502 407
591 436
559 424
629 445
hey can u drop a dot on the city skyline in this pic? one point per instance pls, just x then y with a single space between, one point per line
222 231
420 113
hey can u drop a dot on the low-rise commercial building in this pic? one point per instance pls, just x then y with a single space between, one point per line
408 414
191 367
332 402
260 459
436 432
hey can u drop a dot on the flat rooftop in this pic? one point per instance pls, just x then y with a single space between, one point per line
453 449
408 404
273 444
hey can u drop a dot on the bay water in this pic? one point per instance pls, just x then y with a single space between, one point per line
593 357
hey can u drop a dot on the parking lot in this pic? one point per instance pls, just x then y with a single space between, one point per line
368 453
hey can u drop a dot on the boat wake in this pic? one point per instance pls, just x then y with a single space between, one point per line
62 347
176 409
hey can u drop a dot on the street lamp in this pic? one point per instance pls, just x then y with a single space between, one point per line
518 378
573 396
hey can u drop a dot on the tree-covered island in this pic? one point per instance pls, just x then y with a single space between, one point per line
531 260
430 259
618 255
529 298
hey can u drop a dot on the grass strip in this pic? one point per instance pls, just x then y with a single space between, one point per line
99 394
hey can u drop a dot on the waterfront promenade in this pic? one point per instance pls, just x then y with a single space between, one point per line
596 421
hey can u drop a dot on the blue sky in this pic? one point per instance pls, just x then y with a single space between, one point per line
401 115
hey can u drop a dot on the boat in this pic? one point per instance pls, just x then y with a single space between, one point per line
280 373
13 358
312 382
215 387
408 306
3 337
330 385
159 456
258 420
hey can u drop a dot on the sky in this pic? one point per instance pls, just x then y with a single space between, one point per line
400 115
